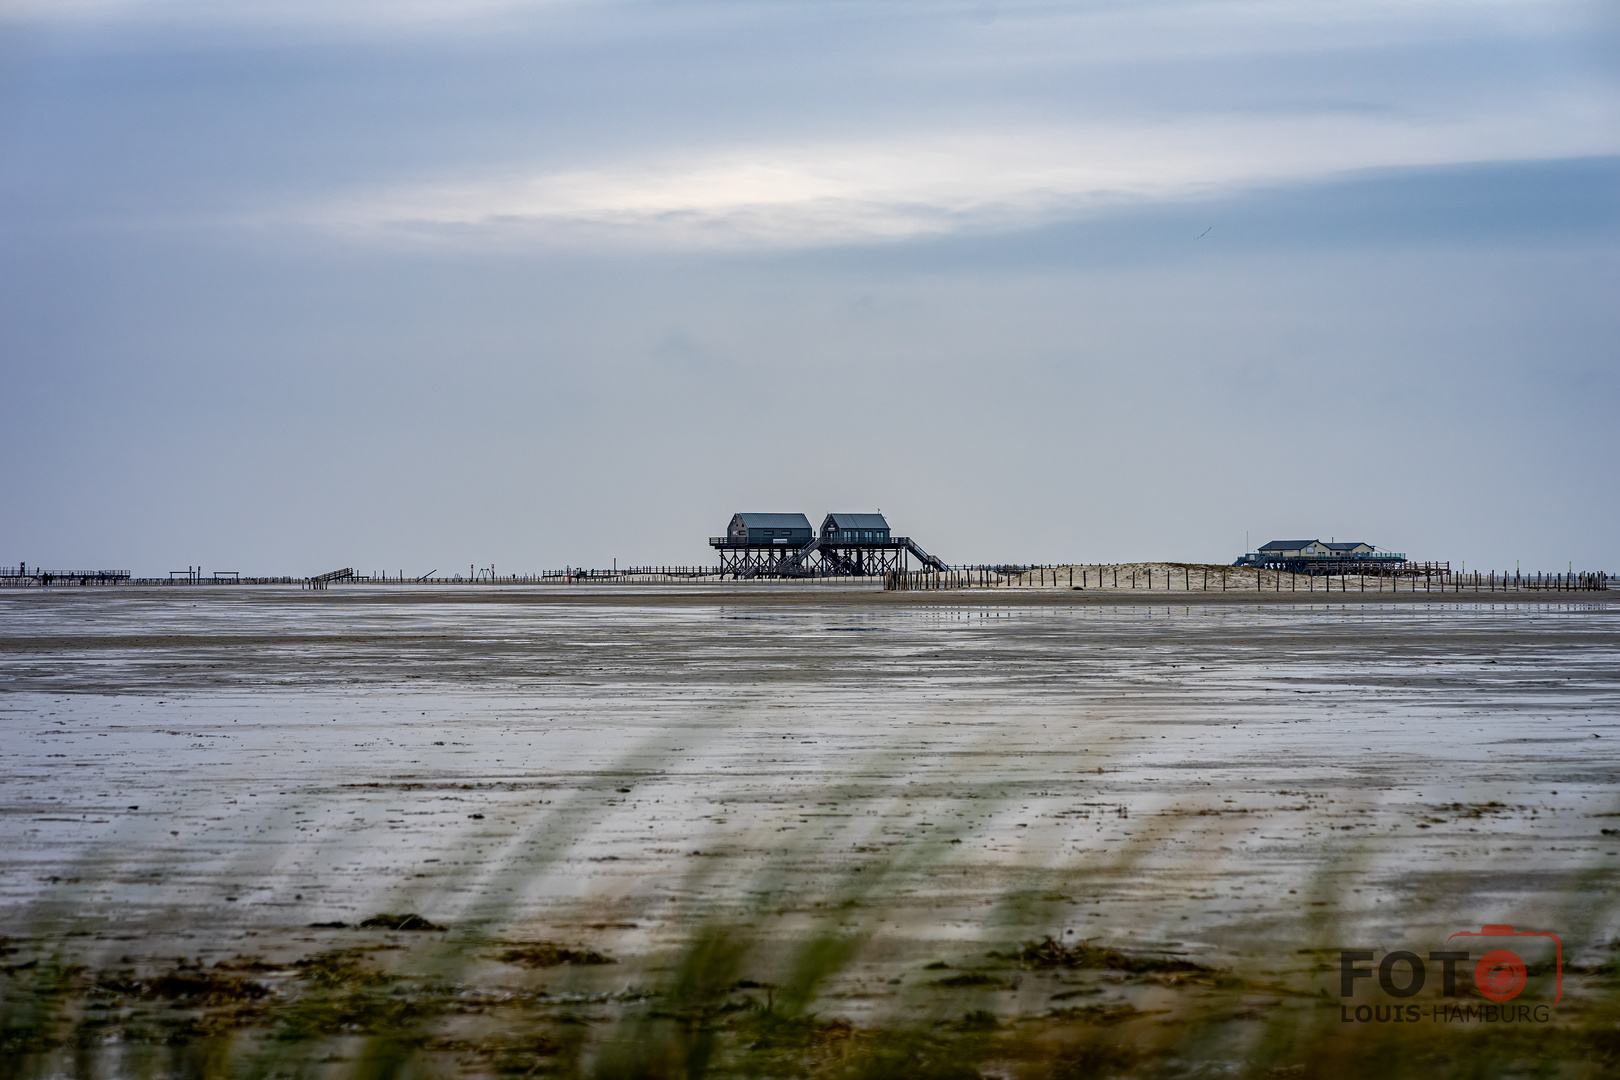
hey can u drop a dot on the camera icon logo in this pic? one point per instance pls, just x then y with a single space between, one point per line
1501 974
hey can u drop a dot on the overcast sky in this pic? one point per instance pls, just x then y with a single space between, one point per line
287 286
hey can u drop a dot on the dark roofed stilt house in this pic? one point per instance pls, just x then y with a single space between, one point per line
783 545
753 529
855 528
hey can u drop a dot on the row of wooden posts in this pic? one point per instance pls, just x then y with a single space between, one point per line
1109 577
1094 577
576 575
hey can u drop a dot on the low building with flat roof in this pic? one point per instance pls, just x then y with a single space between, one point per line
1321 556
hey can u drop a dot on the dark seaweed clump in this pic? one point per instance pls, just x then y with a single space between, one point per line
972 978
1051 953
185 984
409 921
543 954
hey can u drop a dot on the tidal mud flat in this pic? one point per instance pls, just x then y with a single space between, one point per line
1003 832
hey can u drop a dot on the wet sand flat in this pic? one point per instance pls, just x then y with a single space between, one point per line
205 771
224 719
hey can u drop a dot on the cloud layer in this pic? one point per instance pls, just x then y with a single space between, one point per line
905 188
289 285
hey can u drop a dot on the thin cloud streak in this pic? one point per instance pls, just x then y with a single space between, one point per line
286 12
1001 34
817 194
